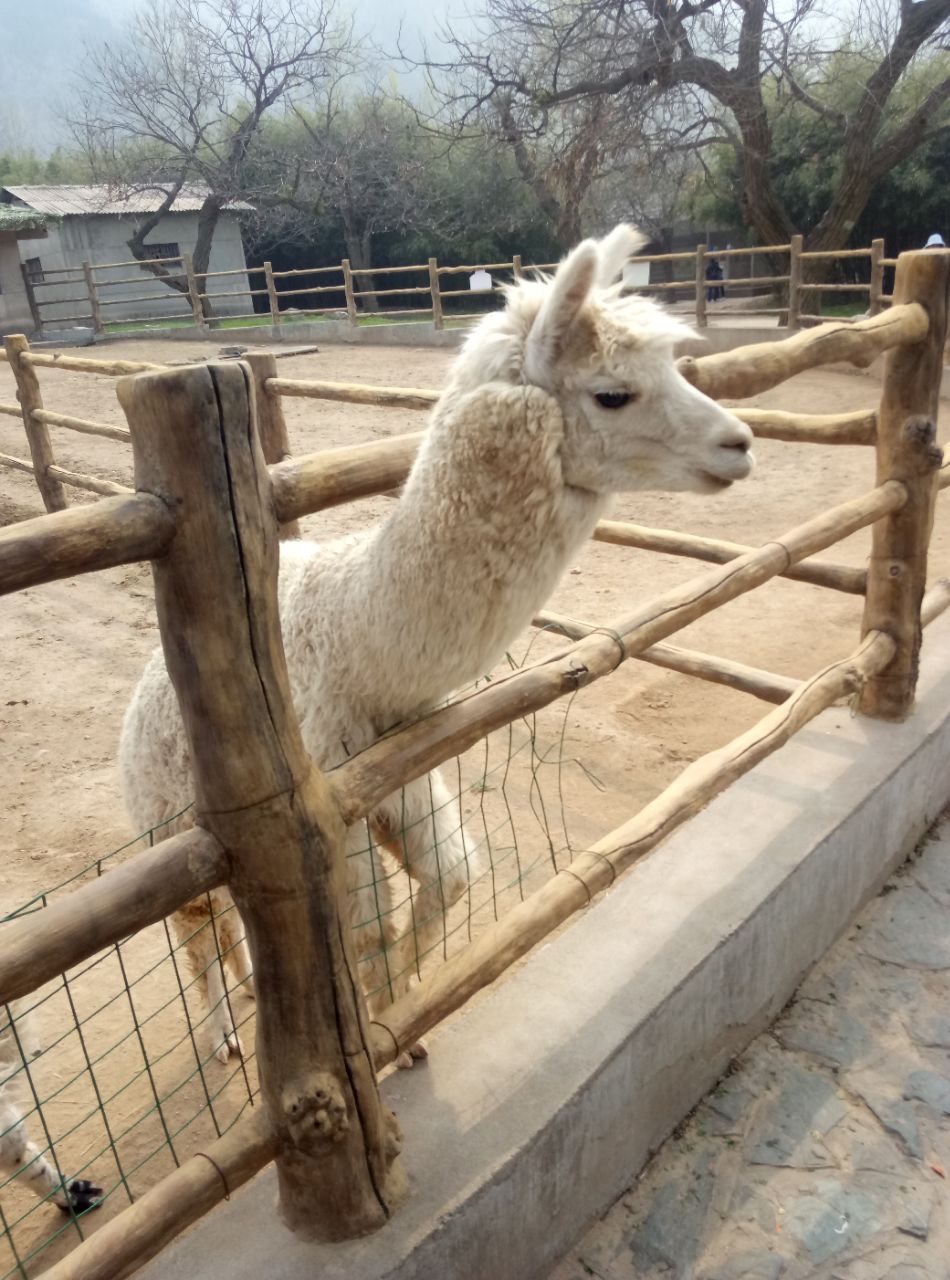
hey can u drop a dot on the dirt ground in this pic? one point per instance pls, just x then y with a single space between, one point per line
73 651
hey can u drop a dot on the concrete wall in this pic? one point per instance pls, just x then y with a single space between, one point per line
14 309
100 239
541 1101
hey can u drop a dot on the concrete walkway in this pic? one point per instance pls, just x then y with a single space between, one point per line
825 1153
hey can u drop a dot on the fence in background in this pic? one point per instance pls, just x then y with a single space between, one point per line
348 293
221 527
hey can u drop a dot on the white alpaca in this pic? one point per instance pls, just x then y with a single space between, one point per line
18 1154
569 395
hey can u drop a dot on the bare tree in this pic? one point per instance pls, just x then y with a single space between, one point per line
180 102
529 59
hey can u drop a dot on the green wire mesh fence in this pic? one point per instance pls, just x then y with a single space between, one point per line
126 1084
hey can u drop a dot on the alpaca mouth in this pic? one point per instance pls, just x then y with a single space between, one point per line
715 482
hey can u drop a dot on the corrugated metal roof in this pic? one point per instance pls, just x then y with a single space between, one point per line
73 201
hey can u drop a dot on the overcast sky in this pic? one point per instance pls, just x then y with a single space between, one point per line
42 50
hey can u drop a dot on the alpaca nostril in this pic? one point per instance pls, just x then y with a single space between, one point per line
743 445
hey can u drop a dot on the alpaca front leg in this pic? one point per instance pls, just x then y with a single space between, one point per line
195 925
426 833
373 925
235 952
18 1155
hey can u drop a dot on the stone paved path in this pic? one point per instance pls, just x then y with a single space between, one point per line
825 1153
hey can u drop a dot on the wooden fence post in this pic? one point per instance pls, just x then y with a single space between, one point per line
794 281
197 310
271 424
877 276
516 268
31 299
348 290
272 299
259 793
437 319
37 434
906 451
701 286
94 309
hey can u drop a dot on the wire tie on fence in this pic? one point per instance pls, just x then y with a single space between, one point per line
218 1171
566 871
774 542
389 1031
615 636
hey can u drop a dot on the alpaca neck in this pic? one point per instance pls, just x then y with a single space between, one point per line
478 542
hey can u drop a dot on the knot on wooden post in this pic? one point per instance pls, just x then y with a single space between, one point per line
920 432
316 1113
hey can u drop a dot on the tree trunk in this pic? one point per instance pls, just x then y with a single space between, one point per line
208 216
359 249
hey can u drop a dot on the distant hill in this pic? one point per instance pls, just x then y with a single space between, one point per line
40 53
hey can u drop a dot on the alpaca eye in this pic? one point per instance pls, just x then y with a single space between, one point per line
614 399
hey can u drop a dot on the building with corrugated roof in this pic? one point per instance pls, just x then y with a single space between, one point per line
92 224
15 225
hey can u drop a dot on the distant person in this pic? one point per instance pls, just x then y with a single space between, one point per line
936 241
714 273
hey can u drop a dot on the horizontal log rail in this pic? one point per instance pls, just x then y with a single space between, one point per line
318 288
935 601
735 675
388 293
105 284
732 281
829 286
464 270
81 364
811 428
137 893
750 251
167 296
91 484
409 752
308 271
354 393
459 978
135 262
117 530
84 316
139 1232
838 577
746 371
819 255
83 425
77 479
12 410
302 486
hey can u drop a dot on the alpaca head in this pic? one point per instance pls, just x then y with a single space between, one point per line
631 420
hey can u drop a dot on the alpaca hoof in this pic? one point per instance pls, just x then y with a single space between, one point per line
228 1047
80 1195
409 1057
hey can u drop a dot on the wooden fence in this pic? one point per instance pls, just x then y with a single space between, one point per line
348 293
207 508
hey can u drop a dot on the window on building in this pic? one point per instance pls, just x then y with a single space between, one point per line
170 250
34 271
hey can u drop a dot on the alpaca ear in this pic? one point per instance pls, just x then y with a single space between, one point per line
565 296
615 251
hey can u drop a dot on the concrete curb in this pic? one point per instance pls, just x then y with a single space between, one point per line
541 1103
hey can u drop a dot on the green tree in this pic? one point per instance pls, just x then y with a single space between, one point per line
715 64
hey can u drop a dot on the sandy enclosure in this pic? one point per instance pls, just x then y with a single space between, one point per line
73 651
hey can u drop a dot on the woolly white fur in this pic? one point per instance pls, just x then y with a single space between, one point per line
515 469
